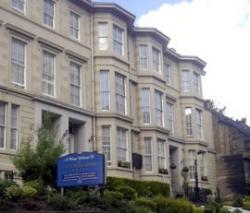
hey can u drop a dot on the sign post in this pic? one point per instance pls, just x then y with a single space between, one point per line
85 169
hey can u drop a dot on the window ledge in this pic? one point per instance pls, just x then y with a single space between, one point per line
19 30
49 44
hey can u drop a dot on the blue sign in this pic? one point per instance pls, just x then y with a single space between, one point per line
85 169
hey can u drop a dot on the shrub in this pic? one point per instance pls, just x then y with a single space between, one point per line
198 209
141 209
209 209
13 192
5 184
79 197
112 199
246 205
146 203
28 191
224 210
128 192
5 205
143 188
38 186
60 203
246 199
237 201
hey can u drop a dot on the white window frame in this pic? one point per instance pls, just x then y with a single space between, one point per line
25 62
147 154
156 64
121 43
123 96
147 107
142 58
199 123
104 37
78 38
54 74
203 165
54 14
170 116
185 81
159 109
109 146
104 92
192 170
189 121
161 154
74 85
168 74
4 126
119 146
15 128
17 9
197 83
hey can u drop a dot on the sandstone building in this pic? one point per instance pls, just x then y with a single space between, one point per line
108 85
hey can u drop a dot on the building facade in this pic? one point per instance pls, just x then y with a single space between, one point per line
109 86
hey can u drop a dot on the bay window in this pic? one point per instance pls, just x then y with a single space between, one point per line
118 40
120 93
104 89
143 52
122 147
103 36
188 121
145 93
158 108
148 154
106 145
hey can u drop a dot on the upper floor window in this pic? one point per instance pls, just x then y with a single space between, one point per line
148 154
103 35
74 25
199 123
18 5
185 81
170 116
143 51
49 13
161 154
120 93
106 145
122 147
168 74
18 55
104 89
188 117
118 40
158 108
48 73
14 127
145 93
2 125
75 83
156 60
197 83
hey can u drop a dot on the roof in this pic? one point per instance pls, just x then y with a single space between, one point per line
237 124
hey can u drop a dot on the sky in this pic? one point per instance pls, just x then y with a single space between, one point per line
218 31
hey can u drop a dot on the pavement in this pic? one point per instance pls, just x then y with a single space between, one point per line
232 209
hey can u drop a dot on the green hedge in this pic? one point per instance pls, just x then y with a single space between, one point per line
143 188
246 205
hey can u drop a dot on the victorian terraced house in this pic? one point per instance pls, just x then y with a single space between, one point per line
107 85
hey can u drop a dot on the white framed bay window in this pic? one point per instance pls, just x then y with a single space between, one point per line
2 125
14 127
145 101
118 40
74 25
103 36
159 108
161 154
18 62
48 75
122 145
120 93
148 154
104 90
18 5
106 143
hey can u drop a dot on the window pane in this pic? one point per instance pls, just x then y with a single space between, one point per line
158 108
2 124
146 105
143 57
196 83
185 81
18 5
75 83
170 117
199 124
118 40
18 61
74 25
121 144
168 74
148 154
48 13
161 154
188 115
48 73
156 60
106 142
104 89
120 93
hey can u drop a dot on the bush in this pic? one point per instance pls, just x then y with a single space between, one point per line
128 192
224 210
246 205
246 199
237 201
60 203
38 186
141 209
197 209
143 188
5 184
28 191
171 205
13 192
146 203
209 209
5 205
112 199
79 197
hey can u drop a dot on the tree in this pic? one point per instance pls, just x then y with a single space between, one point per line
40 162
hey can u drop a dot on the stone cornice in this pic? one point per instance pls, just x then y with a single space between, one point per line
19 30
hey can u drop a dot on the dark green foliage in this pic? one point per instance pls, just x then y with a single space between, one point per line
5 184
198 210
128 192
246 205
38 186
237 201
6 205
143 188
209 209
40 162
148 203
80 197
13 192
224 210
113 199
60 203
